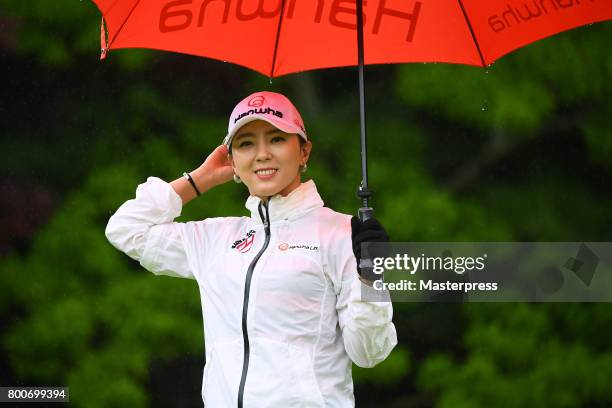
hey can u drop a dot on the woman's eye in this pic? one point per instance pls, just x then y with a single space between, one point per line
278 139
243 144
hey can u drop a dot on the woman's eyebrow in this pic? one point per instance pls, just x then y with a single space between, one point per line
269 132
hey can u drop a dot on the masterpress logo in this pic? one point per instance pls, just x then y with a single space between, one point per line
529 10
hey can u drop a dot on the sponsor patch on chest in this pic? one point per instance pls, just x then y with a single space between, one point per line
289 247
244 244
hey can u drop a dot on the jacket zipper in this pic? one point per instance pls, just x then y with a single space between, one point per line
245 304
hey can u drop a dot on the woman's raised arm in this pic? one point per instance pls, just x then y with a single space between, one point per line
144 227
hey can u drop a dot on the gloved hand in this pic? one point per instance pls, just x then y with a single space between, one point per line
368 231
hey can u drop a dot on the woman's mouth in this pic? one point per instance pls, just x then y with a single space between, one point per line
265 174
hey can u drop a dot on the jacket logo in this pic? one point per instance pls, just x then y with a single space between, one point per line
244 245
285 246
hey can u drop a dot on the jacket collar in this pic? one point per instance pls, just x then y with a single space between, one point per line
297 203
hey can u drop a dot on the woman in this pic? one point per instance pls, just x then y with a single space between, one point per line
280 290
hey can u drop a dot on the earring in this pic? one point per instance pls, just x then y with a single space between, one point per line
237 179
303 168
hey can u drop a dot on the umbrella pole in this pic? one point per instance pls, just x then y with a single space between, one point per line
365 212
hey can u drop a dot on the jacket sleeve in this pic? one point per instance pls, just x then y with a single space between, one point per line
143 228
367 330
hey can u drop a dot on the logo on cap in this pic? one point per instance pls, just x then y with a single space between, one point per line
256 101
262 111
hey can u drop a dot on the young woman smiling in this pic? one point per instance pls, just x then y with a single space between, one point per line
280 290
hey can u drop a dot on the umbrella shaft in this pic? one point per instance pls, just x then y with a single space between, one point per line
360 52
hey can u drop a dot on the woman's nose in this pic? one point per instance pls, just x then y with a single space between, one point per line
263 151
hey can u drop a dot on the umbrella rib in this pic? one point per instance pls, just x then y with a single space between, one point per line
122 25
280 22
467 20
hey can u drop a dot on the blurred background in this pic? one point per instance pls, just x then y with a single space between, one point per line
521 151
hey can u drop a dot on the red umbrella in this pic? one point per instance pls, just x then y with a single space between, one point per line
279 37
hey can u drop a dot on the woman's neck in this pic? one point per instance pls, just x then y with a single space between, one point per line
285 192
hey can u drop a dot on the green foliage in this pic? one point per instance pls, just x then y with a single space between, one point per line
520 151
476 97
58 33
522 91
518 359
52 37
95 320
388 372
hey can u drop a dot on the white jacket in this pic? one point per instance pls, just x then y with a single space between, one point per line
281 305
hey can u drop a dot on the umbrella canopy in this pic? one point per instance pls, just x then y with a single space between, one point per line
279 37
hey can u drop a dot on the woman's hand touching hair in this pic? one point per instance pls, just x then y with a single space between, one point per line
215 171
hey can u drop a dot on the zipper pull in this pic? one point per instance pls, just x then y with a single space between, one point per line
268 214
264 218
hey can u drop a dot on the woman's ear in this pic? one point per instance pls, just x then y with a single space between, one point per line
306 148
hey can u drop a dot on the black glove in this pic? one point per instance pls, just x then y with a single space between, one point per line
367 231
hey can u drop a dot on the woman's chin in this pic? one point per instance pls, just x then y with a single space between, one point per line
267 188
